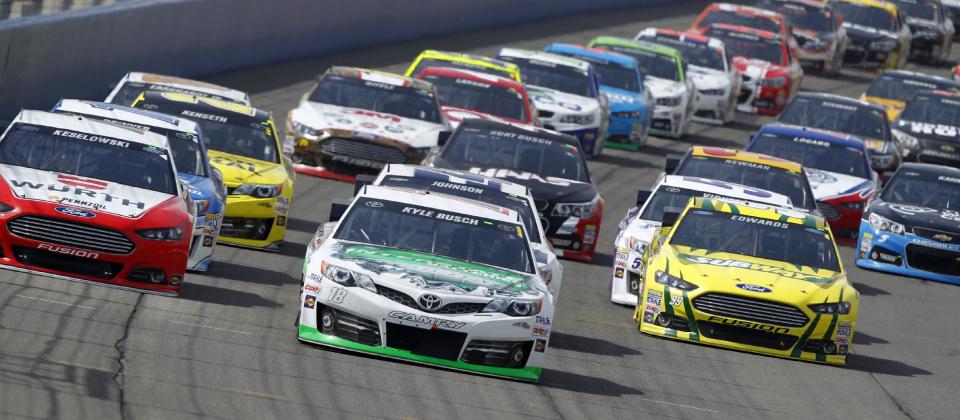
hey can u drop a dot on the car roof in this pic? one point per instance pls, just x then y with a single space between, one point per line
930 168
91 126
208 105
492 125
379 77
727 189
589 53
441 201
478 76
124 114
815 134
454 176
460 56
640 45
908 74
890 7
759 33
188 84
808 3
546 57
742 8
758 210
838 98
682 37
744 156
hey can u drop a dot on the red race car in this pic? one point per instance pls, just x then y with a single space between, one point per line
769 65
93 202
472 94
739 15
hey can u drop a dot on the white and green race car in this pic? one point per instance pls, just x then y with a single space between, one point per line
430 278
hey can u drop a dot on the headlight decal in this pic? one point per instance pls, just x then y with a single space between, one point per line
668 304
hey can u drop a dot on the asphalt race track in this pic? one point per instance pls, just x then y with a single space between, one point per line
227 347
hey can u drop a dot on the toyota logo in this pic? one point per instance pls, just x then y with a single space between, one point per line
429 302
374 204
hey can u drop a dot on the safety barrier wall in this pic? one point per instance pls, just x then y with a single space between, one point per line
78 54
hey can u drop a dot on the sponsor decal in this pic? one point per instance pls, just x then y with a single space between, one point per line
942 130
842 349
750 325
204 116
77 191
440 215
91 138
520 175
75 212
759 221
234 163
69 251
543 320
754 288
458 187
315 277
618 272
753 266
522 324
835 105
654 298
337 294
752 165
420 320
820 177
540 331
311 288
309 301
76 181
910 210
281 220
676 300
950 179
540 346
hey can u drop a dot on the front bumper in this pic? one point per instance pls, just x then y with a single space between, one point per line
626 281
668 121
907 255
714 109
254 222
350 155
843 214
574 238
862 56
628 132
367 322
671 313
205 235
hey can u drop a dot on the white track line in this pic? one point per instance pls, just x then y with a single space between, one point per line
212 328
57 302
677 405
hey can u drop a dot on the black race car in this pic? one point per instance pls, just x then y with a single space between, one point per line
849 116
932 30
928 129
551 164
951 9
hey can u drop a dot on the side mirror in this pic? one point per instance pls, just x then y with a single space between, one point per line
643 196
670 219
673 161
361 181
442 137
337 209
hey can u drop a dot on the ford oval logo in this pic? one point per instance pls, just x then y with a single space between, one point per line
754 288
75 212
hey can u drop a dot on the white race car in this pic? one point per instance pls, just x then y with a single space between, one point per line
641 223
429 278
485 189
717 81
134 83
565 91
363 119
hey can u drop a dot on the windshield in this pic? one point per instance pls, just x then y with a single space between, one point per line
89 156
742 44
791 243
922 189
811 153
615 75
695 54
803 16
131 90
756 175
479 96
432 62
439 184
403 101
917 9
871 17
675 199
432 231
525 152
932 109
732 17
902 89
861 121
649 63
555 76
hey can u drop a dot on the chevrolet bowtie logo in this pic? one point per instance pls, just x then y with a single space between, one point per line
948 148
943 238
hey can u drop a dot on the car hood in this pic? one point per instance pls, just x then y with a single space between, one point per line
623 100
827 184
87 193
917 24
892 106
755 69
661 88
704 78
370 125
918 216
562 102
455 115
939 132
242 170
867 33
405 269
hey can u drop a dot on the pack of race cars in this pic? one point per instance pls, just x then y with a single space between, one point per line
471 179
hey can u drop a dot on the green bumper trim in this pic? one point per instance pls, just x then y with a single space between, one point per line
622 146
313 335
664 134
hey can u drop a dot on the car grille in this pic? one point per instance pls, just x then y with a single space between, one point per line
72 234
496 353
545 114
633 283
744 95
246 228
828 210
750 309
934 260
356 329
746 336
954 238
455 308
66 263
362 150
441 344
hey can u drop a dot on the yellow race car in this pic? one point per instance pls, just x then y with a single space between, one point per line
749 277
243 145
894 88
434 58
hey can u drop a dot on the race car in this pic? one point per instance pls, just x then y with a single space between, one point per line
134 83
894 88
631 105
665 75
551 164
818 29
717 81
428 278
242 144
878 31
849 116
912 228
928 129
770 69
472 94
566 93
750 277
753 170
357 120
932 31
492 191
433 58
94 202
837 167
643 221
204 183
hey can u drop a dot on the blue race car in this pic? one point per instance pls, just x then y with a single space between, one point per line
913 227
204 182
622 83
